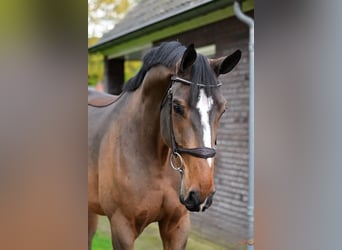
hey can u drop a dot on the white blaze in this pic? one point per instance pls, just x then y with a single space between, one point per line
203 204
204 106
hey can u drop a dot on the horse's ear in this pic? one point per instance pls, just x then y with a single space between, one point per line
188 58
226 64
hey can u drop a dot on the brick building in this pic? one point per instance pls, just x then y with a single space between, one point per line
215 31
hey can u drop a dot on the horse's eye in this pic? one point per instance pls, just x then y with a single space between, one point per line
178 108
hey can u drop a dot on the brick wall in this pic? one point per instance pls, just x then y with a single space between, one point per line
226 220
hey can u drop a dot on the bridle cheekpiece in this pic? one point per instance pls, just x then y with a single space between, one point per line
176 159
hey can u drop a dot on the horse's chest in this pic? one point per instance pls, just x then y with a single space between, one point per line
148 200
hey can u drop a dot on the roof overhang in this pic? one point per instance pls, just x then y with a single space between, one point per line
196 17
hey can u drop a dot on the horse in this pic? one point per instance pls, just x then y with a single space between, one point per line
151 150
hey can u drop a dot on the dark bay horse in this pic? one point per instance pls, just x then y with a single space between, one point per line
166 119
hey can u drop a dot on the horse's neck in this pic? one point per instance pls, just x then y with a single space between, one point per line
150 95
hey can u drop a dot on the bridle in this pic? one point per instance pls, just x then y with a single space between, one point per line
176 159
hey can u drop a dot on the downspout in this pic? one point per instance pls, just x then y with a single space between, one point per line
250 22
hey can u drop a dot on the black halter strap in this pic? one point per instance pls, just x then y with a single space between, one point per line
203 152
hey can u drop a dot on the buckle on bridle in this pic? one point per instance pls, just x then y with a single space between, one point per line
177 162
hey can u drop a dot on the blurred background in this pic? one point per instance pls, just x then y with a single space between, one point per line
103 15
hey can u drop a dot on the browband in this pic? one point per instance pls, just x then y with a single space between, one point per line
184 81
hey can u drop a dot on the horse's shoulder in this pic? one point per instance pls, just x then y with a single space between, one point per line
100 99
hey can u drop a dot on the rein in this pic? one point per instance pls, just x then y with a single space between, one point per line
176 159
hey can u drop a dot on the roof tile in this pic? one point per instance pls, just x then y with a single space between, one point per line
147 12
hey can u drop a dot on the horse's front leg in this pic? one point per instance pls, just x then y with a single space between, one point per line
174 231
92 224
123 235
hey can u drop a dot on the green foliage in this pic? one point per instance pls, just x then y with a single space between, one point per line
131 68
95 65
104 14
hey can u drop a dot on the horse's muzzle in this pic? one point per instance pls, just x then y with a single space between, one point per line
193 202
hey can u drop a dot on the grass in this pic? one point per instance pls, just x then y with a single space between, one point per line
102 241
150 240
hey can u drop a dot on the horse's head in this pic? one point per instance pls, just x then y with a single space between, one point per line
190 115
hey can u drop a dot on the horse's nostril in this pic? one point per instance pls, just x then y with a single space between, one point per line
193 197
192 202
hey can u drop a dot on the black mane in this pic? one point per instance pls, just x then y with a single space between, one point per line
168 54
